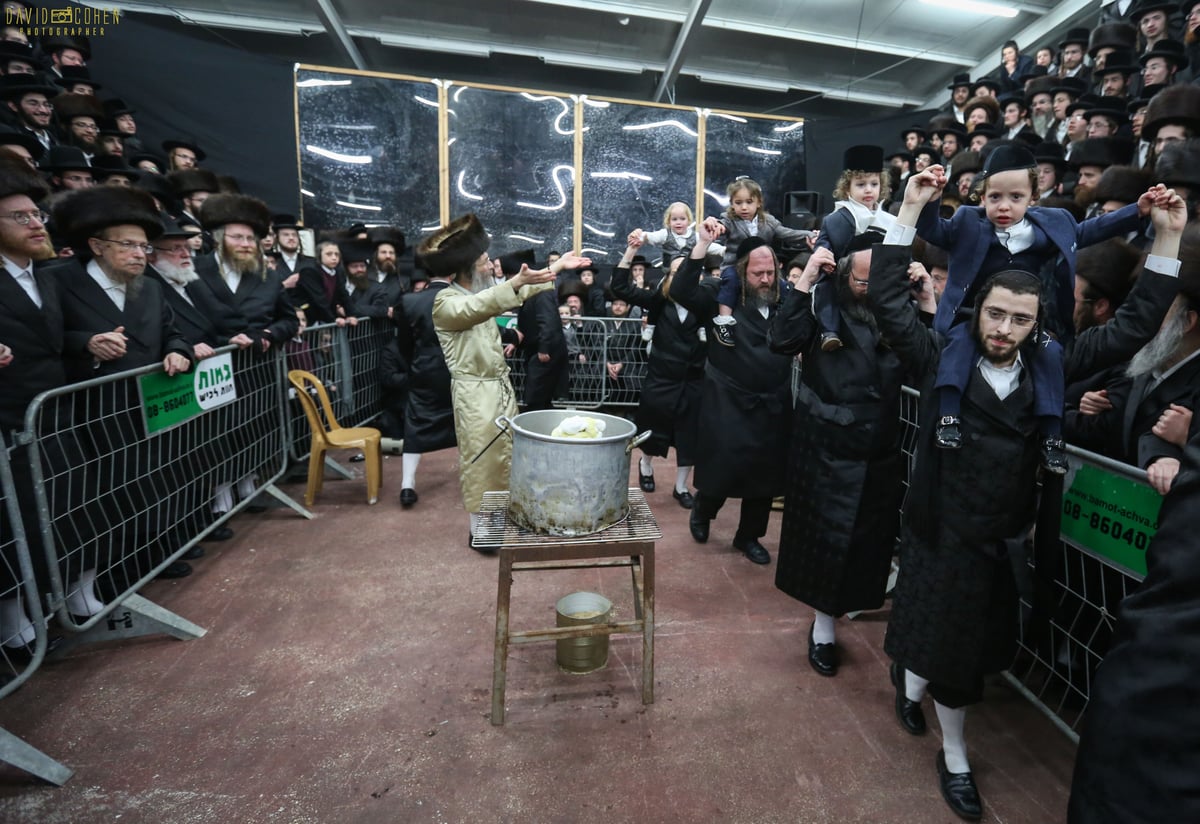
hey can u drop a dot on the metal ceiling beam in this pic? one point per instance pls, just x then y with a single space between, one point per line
336 30
686 32
1029 38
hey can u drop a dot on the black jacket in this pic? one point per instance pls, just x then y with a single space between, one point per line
35 337
260 299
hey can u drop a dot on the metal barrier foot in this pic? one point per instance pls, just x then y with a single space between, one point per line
134 617
330 463
281 496
33 761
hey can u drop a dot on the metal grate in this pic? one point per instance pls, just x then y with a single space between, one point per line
495 527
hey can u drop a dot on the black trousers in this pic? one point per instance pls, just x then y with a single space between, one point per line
545 381
755 514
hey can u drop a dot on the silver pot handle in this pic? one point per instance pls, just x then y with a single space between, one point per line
503 422
638 441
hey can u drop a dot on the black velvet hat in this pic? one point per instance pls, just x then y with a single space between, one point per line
511 263
1118 35
1008 158
1050 152
356 251
1101 151
84 212
749 245
863 158
455 247
960 79
1174 52
1080 35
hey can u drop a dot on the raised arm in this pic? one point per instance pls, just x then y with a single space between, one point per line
461 313
685 286
794 326
622 284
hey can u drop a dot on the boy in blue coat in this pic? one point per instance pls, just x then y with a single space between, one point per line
1007 233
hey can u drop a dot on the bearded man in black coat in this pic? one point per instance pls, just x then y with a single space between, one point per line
746 399
846 470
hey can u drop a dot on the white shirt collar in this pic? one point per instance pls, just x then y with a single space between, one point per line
114 290
865 218
1016 238
1003 379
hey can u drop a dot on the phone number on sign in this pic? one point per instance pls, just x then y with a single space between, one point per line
1112 527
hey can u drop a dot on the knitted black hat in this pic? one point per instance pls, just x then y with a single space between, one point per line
455 247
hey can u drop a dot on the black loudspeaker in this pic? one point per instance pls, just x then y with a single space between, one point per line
812 203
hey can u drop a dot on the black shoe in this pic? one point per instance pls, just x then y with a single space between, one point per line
646 482
724 333
753 550
830 342
408 497
1054 455
221 533
823 657
948 435
179 569
685 498
192 554
698 526
959 790
911 716
359 458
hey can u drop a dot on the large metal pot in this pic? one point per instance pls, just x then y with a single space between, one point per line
568 486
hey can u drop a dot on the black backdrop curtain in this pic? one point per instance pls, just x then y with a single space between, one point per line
237 105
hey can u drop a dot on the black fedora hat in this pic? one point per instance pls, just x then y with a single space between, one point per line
138 157
15 86
904 133
1171 50
64 159
73 75
989 130
903 154
1080 35
988 82
107 166
284 221
184 143
116 107
158 186
1143 7
1143 99
171 228
1084 102
1050 152
955 128
1013 97
1111 107
1074 86
960 79
16 50
12 137
1121 61
1101 151
55 44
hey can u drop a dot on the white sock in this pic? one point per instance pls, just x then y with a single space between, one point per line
15 627
681 479
82 599
823 632
914 686
725 320
409 461
474 522
222 499
246 487
644 465
953 742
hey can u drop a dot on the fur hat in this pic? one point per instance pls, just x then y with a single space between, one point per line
84 212
454 247
379 235
989 104
1119 35
70 106
186 181
863 158
1175 104
16 178
965 163
1179 163
572 287
284 221
1189 265
1124 184
1108 268
222 209
158 186
1040 85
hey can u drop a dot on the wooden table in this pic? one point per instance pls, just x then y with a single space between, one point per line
629 543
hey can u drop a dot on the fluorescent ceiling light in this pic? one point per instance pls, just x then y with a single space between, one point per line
743 81
659 124
589 61
764 151
307 193
338 156
590 250
600 232
562 195
463 191
314 83
463 48
526 238
977 6
621 175
364 206
791 127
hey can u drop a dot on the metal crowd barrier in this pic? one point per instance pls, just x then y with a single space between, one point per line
17 591
592 345
1110 513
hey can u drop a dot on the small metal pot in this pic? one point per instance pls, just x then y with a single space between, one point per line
568 486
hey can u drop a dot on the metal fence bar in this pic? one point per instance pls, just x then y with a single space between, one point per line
118 501
18 592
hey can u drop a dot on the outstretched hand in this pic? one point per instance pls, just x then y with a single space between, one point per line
925 186
529 276
709 230
571 260
1167 210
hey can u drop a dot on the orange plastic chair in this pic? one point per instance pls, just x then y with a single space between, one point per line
334 437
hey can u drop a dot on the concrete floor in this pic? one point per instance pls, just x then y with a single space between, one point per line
346 675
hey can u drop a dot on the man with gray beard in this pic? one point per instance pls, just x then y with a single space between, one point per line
1151 405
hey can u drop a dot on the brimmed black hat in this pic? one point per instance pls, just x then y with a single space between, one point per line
71 75
1101 151
955 128
511 263
16 178
1118 35
15 50
1084 102
1143 7
171 228
1112 107
454 247
960 79
11 137
1080 35
1012 97
903 154
284 221
356 251
138 157
378 235
1074 86
1121 61
52 45
865 240
1007 158
567 288
1179 163
64 159
223 209
116 107
989 130
989 82
16 86
184 143
1145 97
1175 104
187 181
925 148
156 185
107 166
863 158
1171 50
1050 152
84 212
904 133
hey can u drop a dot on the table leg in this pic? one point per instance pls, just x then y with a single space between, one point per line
500 661
648 626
